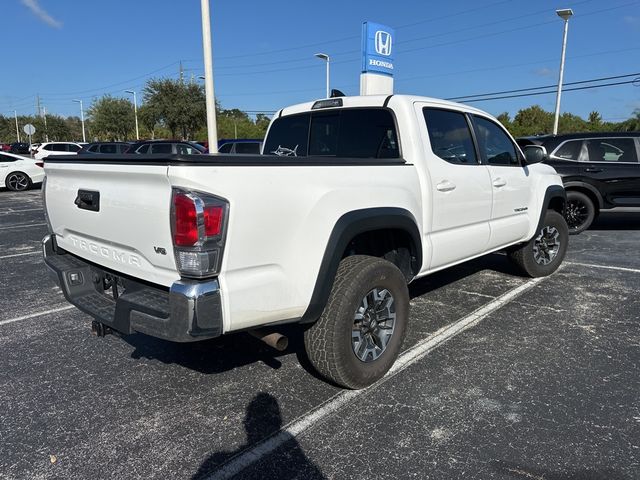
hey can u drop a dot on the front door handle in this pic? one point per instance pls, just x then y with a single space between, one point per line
593 170
445 186
499 182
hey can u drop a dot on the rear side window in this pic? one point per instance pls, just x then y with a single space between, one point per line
450 136
611 150
122 148
73 147
7 158
495 144
161 148
93 148
143 149
48 148
58 147
226 148
569 150
248 147
108 148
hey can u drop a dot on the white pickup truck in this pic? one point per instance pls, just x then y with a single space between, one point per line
352 199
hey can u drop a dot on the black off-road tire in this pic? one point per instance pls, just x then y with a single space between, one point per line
525 256
328 342
580 212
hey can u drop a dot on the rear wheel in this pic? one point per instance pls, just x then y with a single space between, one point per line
360 332
543 254
580 212
18 181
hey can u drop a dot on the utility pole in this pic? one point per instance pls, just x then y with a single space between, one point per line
181 73
15 114
38 105
212 131
84 138
46 133
565 14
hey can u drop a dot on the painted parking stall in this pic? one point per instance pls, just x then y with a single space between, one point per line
491 384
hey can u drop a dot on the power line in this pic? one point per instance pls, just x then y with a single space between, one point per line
544 87
551 91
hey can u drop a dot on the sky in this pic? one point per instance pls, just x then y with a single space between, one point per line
263 51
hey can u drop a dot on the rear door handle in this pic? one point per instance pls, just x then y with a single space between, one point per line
593 170
499 182
445 186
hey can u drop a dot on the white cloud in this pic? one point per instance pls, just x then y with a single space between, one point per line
544 72
39 12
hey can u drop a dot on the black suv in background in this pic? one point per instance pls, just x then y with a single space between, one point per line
600 171
104 147
167 147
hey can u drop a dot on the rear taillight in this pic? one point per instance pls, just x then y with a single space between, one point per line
198 225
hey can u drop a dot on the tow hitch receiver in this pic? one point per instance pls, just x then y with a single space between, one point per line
99 329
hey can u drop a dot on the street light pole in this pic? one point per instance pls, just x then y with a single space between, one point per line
565 14
46 133
84 138
326 58
212 129
15 114
135 111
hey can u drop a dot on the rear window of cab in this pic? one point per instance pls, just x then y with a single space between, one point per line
349 133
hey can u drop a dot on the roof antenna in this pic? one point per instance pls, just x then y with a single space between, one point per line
336 93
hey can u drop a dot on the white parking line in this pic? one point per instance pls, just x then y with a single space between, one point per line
37 314
20 254
295 428
606 267
23 225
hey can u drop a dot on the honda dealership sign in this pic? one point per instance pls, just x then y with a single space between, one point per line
377 48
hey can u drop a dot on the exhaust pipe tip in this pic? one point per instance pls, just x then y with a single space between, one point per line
273 339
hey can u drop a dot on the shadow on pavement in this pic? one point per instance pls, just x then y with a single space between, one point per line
262 420
517 471
236 350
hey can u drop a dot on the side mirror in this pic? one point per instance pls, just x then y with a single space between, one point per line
535 154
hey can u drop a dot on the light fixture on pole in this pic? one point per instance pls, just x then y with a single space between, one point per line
15 114
325 57
84 138
212 128
565 14
135 111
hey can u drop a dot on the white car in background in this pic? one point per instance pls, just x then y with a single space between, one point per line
19 173
57 148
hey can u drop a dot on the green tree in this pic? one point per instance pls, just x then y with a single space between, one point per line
532 121
180 106
112 118
505 120
149 118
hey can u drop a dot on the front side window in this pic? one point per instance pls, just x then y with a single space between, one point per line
73 147
611 150
185 149
495 144
93 148
450 136
225 148
569 150
143 149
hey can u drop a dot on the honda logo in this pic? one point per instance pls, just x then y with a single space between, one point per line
383 43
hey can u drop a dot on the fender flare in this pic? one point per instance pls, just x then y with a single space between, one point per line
346 229
586 186
552 192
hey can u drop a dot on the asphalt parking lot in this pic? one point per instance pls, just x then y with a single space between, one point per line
502 377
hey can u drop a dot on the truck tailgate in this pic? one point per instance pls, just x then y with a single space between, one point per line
117 216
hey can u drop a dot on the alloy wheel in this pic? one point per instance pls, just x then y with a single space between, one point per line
373 325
